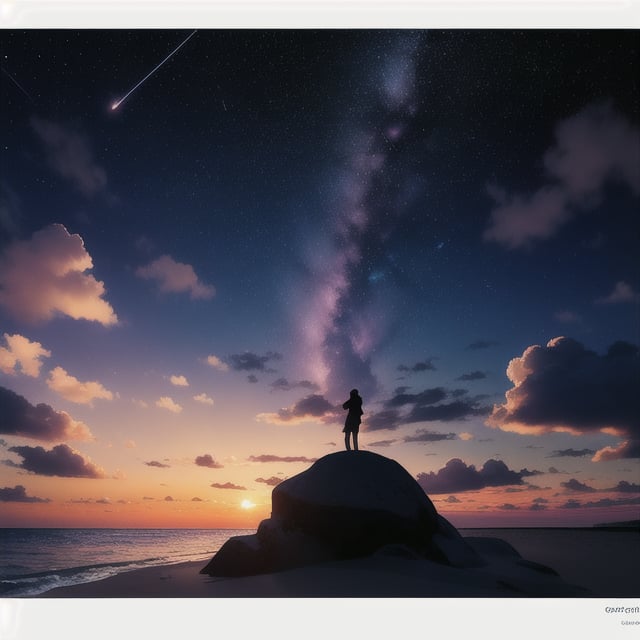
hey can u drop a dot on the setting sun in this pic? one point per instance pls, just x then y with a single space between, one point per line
247 504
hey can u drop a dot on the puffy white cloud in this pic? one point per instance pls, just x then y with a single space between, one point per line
179 381
165 402
46 275
176 277
22 354
203 398
216 363
72 389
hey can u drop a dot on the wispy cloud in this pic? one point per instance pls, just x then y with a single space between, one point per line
176 277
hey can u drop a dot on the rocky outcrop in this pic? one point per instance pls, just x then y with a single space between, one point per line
346 505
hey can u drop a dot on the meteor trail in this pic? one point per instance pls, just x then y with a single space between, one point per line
116 104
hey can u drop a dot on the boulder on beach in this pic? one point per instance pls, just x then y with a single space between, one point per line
346 505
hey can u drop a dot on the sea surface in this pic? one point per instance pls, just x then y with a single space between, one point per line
33 561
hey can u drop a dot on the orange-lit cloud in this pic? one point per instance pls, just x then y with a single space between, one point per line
179 381
60 461
46 276
165 402
176 277
228 485
203 398
566 388
20 418
72 389
216 363
22 355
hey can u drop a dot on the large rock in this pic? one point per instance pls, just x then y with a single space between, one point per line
346 505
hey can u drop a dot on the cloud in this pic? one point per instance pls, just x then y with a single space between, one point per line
18 494
70 156
456 476
216 363
473 375
602 503
595 147
385 419
418 367
272 458
622 293
422 435
625 487
426 397
168 499
448 412
228 485
203 398
567 317
165 402
571 453
72 389
282 384
157 464
565 387
22 355
18 417
179 381
382 443
176 277
46 276
207 460
574 485
60 461
273 481
248 361
310 408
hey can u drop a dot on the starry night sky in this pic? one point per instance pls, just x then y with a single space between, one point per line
191 283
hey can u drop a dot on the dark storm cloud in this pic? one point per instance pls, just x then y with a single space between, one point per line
481 344
473 375
228 485
159 465
571 453
273 481
456 476
577 486
422 435
207 460
60 461
18 494
418 367
248 361
564 386
282 384
18 417
272 458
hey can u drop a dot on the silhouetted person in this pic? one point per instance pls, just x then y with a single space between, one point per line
352 423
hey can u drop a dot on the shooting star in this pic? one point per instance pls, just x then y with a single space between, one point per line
117 103
16 83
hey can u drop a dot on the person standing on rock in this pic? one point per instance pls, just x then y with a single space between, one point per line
354 417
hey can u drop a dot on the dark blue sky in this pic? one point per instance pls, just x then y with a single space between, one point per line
397 211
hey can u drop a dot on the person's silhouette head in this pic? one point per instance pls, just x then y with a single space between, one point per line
354 392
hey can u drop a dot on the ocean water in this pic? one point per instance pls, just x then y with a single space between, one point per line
33 561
